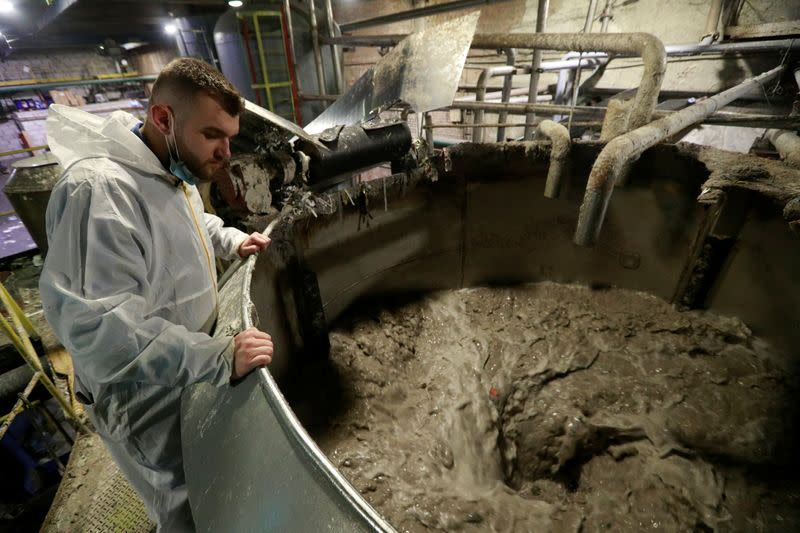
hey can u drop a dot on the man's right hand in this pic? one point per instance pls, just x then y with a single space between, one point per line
251 348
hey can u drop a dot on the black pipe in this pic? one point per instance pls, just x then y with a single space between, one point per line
356 147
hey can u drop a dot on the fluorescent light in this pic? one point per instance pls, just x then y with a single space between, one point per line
6 6
235 3
171 29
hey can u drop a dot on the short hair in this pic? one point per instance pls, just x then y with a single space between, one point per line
185 77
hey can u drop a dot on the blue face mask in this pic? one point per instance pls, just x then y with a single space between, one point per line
177 167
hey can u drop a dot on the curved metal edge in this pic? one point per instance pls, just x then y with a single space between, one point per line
294 430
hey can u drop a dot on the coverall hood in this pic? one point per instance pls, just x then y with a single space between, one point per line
74 135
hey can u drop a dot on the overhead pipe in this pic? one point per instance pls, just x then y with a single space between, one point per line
483 80
672 50
559 153
337 64
647 46
511 60
312 15
416 13
536 62
621 151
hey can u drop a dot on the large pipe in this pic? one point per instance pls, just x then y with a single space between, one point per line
647 46
559 153
536 62
511 61
788 145
622 150
673 50
712 21
416 13
287 11
337 64
312 15
483 80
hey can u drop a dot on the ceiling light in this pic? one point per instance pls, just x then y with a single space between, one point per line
235 3
171 29
6 6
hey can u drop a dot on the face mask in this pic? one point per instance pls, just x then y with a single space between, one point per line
177 167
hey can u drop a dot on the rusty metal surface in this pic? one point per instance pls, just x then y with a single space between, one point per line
422 71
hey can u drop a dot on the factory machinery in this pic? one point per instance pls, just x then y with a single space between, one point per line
697 226
357 204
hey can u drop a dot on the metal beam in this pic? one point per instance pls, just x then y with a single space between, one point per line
416 13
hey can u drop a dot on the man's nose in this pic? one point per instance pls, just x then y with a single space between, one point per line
224 149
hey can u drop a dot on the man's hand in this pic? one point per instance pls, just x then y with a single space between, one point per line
255 242
251 348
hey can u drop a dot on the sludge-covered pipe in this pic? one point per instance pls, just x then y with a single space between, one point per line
622 150
787 143
649 47
559 152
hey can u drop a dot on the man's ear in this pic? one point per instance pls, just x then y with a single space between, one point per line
161 115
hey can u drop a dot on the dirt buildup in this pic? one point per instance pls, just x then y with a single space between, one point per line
554 407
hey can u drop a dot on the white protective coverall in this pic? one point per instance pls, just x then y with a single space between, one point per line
129 286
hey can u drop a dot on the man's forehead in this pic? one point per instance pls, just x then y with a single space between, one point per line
207 113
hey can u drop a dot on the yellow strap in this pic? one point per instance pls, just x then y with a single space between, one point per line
202 241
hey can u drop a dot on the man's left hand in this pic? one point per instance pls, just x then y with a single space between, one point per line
255 242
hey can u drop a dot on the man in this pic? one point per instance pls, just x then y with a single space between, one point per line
129 283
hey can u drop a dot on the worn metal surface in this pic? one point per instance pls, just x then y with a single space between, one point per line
618 154
647 46
251 467
422 71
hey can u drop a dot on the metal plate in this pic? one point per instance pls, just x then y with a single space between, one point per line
422 71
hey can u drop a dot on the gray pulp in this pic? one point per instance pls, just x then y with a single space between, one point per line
552 407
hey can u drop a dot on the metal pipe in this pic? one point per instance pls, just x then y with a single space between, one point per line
606 16
647 46
429 132
536 63
480 93
511 61
312 12
788 145
559 153
723 118
587 26
287 9
416 13
621 151
673 50
712 22
337 65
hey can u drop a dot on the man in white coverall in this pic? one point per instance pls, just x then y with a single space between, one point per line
129 283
